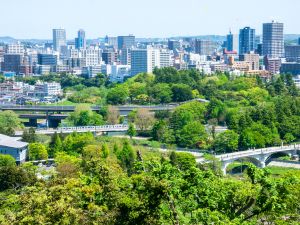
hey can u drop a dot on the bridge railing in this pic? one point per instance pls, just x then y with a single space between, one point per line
94 128
258 151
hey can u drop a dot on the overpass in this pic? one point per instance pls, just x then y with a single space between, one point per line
60 109
54 114
65 109
259 157
82 129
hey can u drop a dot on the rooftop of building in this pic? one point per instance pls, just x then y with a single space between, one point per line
11 142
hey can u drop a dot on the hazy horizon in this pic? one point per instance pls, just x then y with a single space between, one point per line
32 19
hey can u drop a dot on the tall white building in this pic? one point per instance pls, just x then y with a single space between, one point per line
165 59
145 60
273 40
15 48
92 56
59 39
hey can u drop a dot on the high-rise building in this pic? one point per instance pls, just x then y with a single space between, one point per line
59 39
15 48
259 49
246 40
164 58
139 61
299 41
108 56
126 41
174 44
92 56
292 53
204 47
47 59
232 42
273 41
145 60
111 41
125 56
80 41
12 63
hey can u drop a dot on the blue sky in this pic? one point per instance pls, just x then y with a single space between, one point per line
144 18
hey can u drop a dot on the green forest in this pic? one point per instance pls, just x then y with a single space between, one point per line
116 181
258 112
110 180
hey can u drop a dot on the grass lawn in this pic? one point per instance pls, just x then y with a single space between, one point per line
282 170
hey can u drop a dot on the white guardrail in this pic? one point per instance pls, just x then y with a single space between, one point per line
94 128
257 152
81 129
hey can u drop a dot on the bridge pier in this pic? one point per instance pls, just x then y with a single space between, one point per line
53 123
262 164
32 123
224 165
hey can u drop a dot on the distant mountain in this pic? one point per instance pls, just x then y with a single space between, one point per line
291 37
203 37
7 40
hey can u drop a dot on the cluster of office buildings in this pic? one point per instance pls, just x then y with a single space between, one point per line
125 56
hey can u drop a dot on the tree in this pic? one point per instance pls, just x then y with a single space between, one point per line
280 86
181 92
131 117
105 151
113 115
289 138
131 131
67 166
127 157
215 109
9 122
158 130
183 160
117 95
55 145
75 143
227 141
29 135
162 93
144 119
84 116
192 135
37 151
258 136
183 114
136 90
7 160
13 177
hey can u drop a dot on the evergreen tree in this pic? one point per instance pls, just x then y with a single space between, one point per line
29 135
105 151
131 130
55 144
127 157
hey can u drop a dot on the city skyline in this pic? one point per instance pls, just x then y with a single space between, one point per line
158 19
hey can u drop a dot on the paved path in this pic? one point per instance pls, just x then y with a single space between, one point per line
287 164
